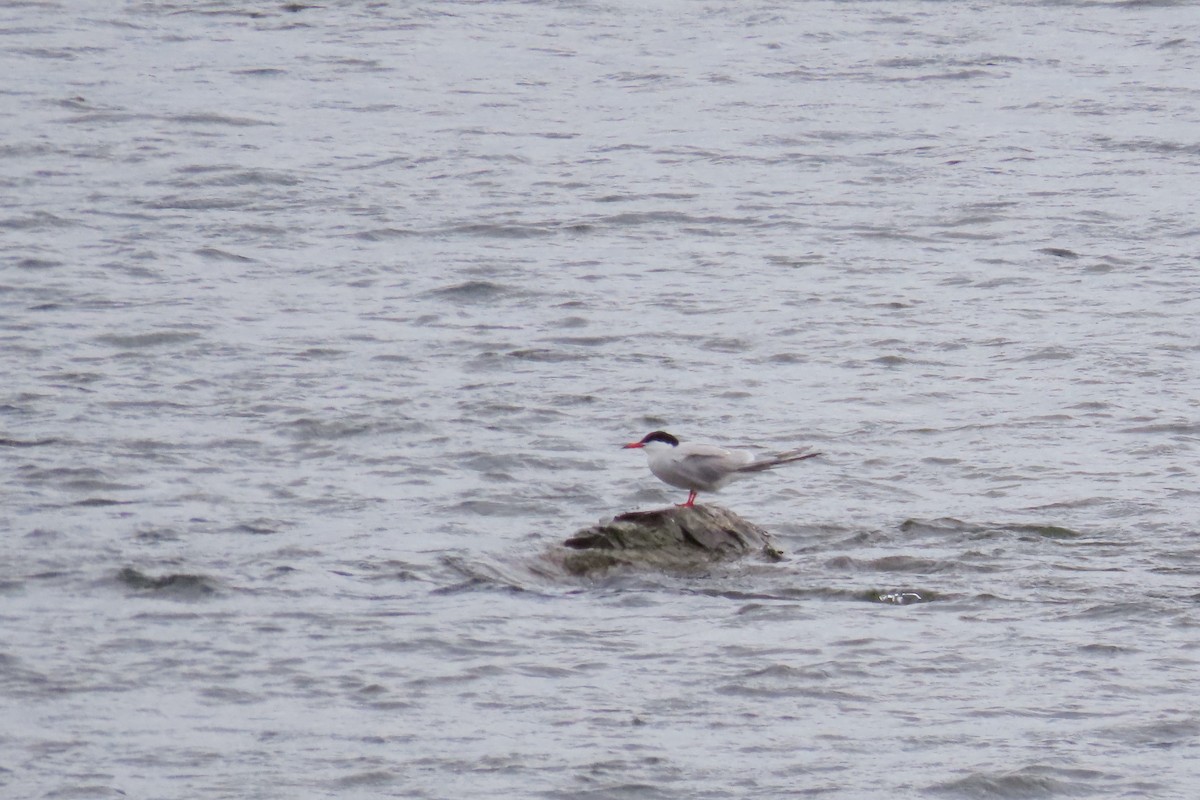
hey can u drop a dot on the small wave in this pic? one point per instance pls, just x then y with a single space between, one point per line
546 355
309 429
1165 427
703 223
1059 252
500 231
641 80
1033 781
1122 610
949 525
588 341
384 234
39 220
1048 354
956 75
138 341
923 566
37 263
177 584
214 254
1148 145
370 779
497 508
471 291
257 527
726 344
887 596
1045 531
475 575
899 597
263 72
94 117
320 353
1107 650
179 203
243 177
210 118
1183 730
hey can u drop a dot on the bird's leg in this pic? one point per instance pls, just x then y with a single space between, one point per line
691 501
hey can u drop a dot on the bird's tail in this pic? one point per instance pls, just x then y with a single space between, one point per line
778 459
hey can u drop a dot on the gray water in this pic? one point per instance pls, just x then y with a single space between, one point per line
323 323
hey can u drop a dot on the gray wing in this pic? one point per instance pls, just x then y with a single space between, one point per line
779 458
713 466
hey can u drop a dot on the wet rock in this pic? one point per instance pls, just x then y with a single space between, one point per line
675 538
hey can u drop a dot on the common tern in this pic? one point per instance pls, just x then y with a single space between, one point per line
704 467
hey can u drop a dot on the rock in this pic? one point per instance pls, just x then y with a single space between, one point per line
677 538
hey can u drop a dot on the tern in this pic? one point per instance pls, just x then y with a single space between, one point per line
704 467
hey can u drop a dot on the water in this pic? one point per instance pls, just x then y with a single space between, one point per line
322 324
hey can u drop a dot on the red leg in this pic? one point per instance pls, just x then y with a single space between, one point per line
691 501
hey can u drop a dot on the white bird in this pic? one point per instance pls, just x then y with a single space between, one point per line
704 467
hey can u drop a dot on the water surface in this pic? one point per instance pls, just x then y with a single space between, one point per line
321 323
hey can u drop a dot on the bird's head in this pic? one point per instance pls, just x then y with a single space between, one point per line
655 440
